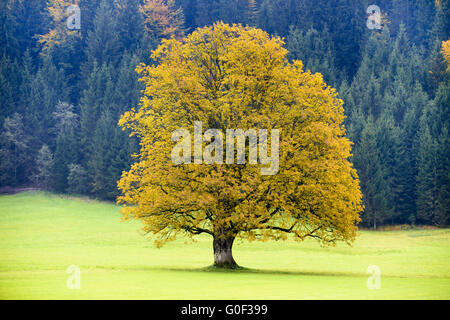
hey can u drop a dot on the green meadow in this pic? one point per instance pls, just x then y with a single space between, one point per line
42 234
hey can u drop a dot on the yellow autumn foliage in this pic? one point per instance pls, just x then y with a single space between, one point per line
59 33
161 18
239 77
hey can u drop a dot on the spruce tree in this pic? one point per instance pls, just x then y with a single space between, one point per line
14 152
103 41
65 154
373 177
427 188
102 162
43 165
315 50
77 180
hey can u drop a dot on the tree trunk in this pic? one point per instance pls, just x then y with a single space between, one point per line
223 256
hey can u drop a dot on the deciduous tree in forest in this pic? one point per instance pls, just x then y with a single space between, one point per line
57 10
162 19
232 77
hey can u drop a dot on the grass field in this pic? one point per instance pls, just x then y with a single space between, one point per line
41 235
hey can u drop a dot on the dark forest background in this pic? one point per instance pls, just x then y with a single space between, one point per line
62 92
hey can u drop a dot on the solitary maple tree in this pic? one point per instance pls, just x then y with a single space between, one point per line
231 77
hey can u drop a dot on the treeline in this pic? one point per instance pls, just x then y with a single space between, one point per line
62 91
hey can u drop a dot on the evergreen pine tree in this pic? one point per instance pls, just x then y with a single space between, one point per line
77 180
373 176
314 49
427 189
103 41
43 165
